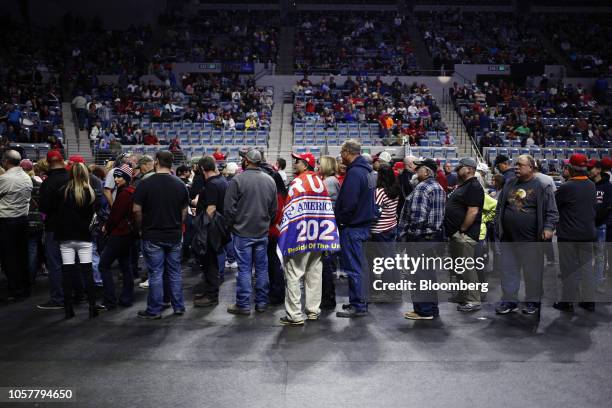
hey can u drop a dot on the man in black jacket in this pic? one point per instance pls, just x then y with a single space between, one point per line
50 200
210 199
576 200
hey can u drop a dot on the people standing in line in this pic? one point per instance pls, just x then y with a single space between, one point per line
486 224
384 227
101 215
504 166
75 212
110 190
50 201
405 181
421 221
576 201
603 219
160 206
307 230
281 164
250 206
526 213
462 220
230 254
210 200
15 194
451 176
355 211
121 232
328 168
145 168
35 221
276 293
276 274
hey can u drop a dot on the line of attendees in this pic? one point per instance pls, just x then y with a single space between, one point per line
321 221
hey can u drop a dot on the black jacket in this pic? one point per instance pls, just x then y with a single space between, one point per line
50 200
73 221
576 201
604 201
209 233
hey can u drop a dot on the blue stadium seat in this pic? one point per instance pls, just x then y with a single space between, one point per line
194 135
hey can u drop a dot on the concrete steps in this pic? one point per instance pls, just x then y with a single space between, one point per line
465 146
286 50
420 48
75 141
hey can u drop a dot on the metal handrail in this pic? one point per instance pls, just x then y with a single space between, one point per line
77 131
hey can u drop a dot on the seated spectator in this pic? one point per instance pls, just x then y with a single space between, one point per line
151 139
251 123
218 155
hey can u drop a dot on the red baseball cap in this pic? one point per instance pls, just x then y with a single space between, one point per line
398 165
307 157
593 163
607 163
578 160
54 155
77 158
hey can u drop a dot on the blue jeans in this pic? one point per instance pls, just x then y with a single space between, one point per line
600 254
221 263
117 248
33 255
54 267
353 262
230 252
95 262
249 252
425 302
525 256
163 258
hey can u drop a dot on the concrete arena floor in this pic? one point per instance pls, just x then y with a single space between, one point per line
208 358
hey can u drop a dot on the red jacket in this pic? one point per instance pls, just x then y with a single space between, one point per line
441 177
121 219
281 201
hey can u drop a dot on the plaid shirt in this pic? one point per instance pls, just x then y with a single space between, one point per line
423 211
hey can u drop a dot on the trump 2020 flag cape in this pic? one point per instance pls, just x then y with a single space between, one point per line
308 223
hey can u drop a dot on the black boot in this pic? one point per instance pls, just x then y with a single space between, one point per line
67 275
90 289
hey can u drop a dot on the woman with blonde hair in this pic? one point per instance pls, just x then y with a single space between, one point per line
75 215
328 169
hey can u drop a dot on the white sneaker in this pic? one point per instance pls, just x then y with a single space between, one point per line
228 265
233 265
144 285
